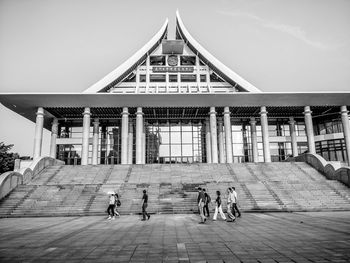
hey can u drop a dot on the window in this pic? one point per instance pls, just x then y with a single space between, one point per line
157 60
187 61
172 78
188 78
142 78
203 78
157 78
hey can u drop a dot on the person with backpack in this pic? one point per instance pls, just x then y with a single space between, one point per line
230 198
117 204
206 203
218 207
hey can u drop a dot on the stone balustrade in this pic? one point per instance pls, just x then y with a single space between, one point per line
10 180
332 170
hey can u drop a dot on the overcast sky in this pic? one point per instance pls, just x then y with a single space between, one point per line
68 45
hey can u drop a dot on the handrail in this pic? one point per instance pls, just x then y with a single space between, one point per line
10 180
332 170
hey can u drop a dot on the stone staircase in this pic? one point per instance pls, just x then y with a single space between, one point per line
82 190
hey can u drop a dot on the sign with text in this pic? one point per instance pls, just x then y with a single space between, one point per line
172 69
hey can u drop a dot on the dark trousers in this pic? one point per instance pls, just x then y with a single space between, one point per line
234 208
206 209
110 210
144 212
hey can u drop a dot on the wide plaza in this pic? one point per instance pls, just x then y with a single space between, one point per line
256 237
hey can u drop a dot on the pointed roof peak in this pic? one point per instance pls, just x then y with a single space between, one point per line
228 74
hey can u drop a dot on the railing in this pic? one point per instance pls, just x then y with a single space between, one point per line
10 180
332 170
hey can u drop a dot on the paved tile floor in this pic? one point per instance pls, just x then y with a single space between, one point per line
256 237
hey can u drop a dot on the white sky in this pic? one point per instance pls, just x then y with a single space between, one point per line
66 46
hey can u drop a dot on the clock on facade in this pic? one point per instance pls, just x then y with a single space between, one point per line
172 60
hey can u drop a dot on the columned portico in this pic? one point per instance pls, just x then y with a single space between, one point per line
86 135
265 134
346 130
95 141
293 136
208 140
221 141
213 135
254 140
309 129
38 139
228 138
139 131
124 141
54 131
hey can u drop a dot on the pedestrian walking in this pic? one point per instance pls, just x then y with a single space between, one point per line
117 204
230 216
201 202
218 207
235 203
206 203
144 206
110 209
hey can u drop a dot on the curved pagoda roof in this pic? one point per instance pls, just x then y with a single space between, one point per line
134 61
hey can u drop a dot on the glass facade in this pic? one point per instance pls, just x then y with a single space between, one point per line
332 150
328 126
184 141
175 142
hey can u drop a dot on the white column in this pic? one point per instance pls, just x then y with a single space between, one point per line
143 146
139 131
293 136
86 135
38 139
228 135
346 130
207 140
265 134
147 73
221 141
254 140
213 135
130 142
124 142
54 131
309 130
95 141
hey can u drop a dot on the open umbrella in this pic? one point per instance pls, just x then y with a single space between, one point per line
111 192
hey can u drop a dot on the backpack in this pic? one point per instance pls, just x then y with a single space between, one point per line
208 198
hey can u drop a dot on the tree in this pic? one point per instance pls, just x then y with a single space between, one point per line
7 159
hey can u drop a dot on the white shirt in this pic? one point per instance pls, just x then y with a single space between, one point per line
111 200
234 196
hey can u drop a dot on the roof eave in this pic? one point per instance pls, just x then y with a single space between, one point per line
219 65
115 74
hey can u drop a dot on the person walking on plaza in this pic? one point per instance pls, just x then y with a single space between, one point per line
229 205
110 209
117 204
201 202
218 207
235 203
206 203
144 206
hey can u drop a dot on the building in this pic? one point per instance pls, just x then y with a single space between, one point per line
174 102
